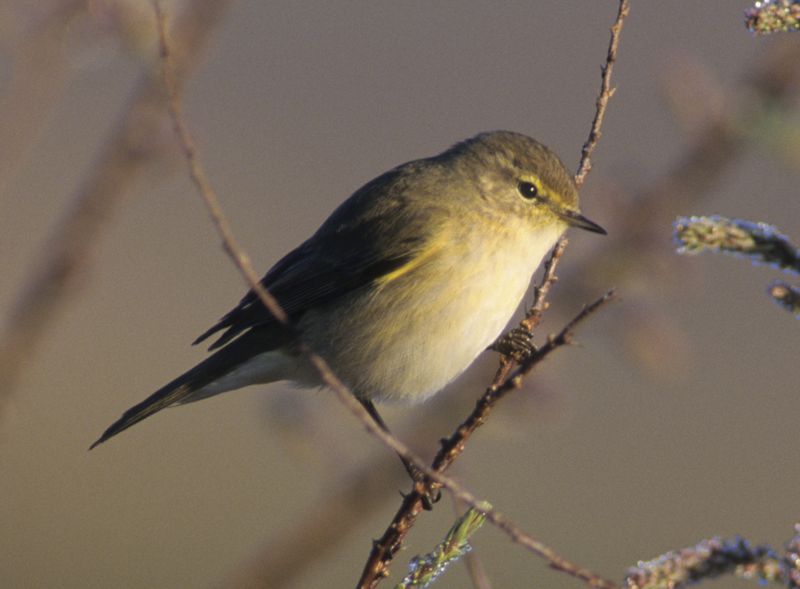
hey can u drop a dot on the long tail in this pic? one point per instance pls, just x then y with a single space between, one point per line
209 370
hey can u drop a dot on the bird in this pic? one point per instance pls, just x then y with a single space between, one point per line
403 286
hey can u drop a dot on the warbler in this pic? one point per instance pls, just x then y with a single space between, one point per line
403 286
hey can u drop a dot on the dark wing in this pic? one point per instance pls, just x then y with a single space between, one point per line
212 368
349 251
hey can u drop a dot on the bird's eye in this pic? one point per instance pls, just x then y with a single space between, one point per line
528 190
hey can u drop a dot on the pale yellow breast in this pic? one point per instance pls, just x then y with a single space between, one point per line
426 323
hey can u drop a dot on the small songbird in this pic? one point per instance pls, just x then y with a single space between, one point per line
403 286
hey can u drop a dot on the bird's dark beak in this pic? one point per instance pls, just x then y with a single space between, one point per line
575 219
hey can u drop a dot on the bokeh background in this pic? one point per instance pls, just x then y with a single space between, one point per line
673 420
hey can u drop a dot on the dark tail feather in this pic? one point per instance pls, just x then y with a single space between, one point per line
209 370
164 397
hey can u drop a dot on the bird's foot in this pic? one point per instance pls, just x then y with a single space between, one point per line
422 483
516 344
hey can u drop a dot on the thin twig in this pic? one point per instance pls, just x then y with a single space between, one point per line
637 243
453 446
200 179
477 571
38 77
534 315
320 528
605 94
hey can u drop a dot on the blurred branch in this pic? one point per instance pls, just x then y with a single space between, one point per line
37 78
759 242
129 147
637 243
476 570
792 560
319 529
637 255
713 558
773 16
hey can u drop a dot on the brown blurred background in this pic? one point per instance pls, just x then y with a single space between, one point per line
675 419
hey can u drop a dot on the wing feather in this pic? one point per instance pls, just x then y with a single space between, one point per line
349 251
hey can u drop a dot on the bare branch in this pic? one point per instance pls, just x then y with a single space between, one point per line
38 76
320 528
200 179
476 570
605 94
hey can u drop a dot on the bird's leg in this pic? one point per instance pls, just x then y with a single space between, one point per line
412 470
516 344
415 474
